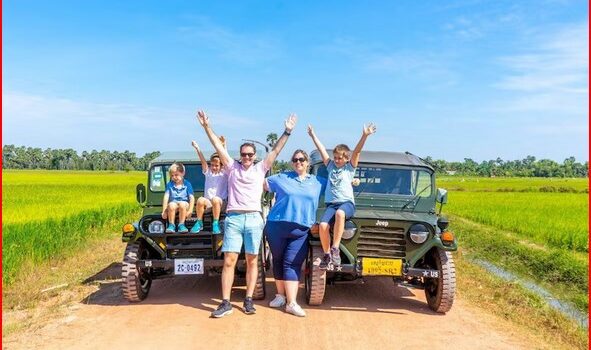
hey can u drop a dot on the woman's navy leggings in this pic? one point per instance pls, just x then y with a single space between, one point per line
289 246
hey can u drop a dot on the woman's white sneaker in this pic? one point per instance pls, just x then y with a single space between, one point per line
294 309
279 301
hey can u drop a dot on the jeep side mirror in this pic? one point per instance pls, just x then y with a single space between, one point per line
140 193
441 196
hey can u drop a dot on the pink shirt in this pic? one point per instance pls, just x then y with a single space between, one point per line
216 185
245 187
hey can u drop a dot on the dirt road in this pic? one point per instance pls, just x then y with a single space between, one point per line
374 315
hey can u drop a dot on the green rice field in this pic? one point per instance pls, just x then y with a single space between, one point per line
512 184
48 214
534 227
553 219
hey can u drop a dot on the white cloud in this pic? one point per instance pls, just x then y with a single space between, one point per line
47 121
378 58
552 75
477 26
242 47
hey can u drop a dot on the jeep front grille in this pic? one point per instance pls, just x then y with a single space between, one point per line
381 242
190 246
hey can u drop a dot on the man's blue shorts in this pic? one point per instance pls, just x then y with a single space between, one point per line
331 209
244 228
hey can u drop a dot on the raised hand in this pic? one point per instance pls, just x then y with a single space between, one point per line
223 140
310 130
290 122
195 145
369 129
202 118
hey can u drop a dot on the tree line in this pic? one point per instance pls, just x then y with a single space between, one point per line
21 157
527 167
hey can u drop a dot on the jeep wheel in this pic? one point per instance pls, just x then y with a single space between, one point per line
440 292
259 288
315 278
136 283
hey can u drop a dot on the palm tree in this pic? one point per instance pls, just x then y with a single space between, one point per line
271 139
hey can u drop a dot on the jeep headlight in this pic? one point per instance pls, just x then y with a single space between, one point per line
349 230
156 226
418 233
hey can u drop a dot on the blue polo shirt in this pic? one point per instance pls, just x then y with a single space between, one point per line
179 194
339 189
295 200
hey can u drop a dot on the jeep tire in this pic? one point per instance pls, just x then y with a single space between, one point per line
440 292
315 278
136 283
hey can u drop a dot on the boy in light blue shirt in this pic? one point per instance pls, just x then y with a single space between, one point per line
177 197
338 197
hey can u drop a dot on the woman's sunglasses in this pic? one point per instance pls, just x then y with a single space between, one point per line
295 160
249 155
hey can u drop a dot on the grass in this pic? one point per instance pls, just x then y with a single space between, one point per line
509 184
25 308
33 195
512 302
562 272
49 214
517 225
554 219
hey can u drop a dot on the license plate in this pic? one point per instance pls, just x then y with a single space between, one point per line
381 267
188 266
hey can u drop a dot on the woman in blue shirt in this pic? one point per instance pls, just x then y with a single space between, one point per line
288 223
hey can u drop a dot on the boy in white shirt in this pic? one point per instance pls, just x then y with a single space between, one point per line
215 191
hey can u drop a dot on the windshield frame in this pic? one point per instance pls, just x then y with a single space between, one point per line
193 173
359 190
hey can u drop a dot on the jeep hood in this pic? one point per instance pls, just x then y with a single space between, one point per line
394 215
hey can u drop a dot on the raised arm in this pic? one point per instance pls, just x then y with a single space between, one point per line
290 123
319 145
367 130
204 165
215 141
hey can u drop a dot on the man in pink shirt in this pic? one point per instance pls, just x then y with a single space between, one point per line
244 222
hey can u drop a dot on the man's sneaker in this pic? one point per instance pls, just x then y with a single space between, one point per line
224 309
326 262
183 228
197 227
170 228
294 309
249 306
335 254
279 301
215 227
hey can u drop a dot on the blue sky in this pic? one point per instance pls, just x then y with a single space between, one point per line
453 80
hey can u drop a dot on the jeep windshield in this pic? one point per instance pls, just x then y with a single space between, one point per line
383 180
159 177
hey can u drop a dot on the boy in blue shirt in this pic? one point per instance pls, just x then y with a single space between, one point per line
338 196
177 197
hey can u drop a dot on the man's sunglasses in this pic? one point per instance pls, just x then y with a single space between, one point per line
295 160
249 155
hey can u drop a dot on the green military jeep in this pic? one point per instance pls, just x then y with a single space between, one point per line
151 253
395 231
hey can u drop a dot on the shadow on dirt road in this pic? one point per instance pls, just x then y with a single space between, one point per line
374 295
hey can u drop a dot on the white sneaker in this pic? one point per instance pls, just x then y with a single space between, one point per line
279 301
294 309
